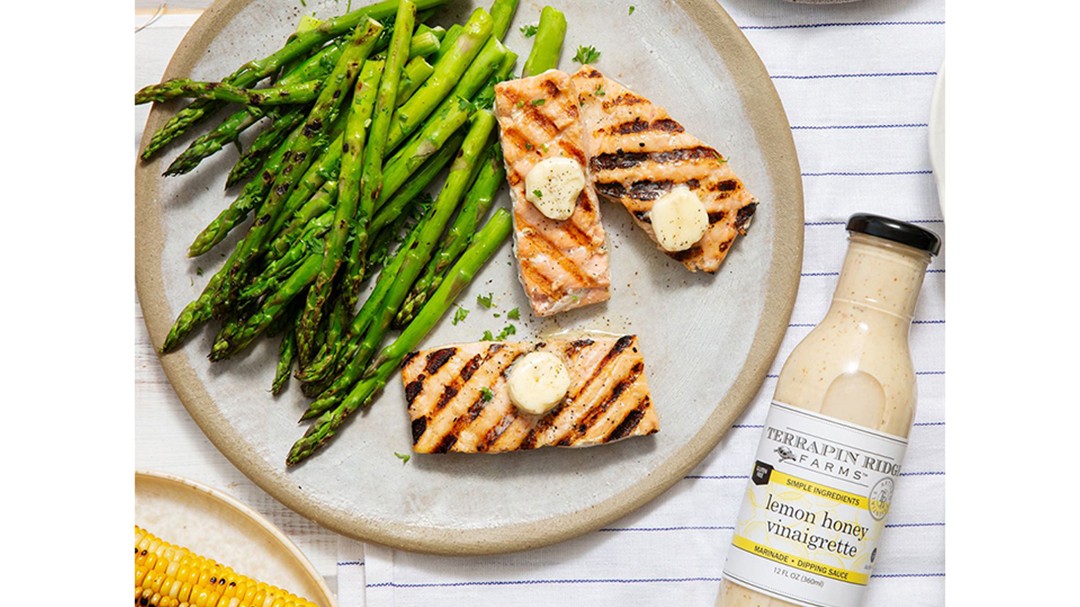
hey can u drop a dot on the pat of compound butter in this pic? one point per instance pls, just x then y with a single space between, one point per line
553 186
678 219
538 382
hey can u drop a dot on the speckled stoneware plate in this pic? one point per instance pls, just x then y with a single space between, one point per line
708 339
213 524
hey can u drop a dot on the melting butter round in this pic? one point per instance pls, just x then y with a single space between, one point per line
679 219
537 382
553 186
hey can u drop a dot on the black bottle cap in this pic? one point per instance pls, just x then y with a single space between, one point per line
896 231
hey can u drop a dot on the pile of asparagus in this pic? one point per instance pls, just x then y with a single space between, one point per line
360 115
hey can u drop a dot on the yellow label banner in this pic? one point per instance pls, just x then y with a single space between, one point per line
843 497
798 562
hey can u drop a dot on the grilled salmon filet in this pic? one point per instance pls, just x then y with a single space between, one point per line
637 152
562 264
459 400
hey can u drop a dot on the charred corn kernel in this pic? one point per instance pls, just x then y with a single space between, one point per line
167 575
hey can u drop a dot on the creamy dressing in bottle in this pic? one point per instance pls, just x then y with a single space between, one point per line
830 452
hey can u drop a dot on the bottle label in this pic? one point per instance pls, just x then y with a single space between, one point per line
815 508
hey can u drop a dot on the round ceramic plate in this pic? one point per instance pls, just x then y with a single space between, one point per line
708 340
210 523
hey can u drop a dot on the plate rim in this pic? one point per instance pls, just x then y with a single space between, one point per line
770 125
248 513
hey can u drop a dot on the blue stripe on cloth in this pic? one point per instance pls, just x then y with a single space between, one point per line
857 127
853 75
567 581
840 24
735 477
837 222
760 426
732 527
810 325
867 173
350 563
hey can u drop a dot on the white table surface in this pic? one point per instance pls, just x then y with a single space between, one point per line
894 174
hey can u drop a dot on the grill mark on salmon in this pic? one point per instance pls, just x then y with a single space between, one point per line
561 264
414 388
626 160
630 422
637 152
592 415
419 426
637 125
619 346
467 422
437 359
572 151
552 252
742 219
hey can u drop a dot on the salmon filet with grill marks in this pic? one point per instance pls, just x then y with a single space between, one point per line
637 153
450 411
562 264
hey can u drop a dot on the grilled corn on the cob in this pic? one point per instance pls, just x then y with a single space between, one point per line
167 575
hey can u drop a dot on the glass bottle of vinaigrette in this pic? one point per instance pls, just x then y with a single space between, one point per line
835 434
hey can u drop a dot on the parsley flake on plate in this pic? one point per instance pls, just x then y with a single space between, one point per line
586 54
459 315
528 30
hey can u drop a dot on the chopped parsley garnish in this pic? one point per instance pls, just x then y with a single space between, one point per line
487 336
514 314
484 300
528 30
586 54
198 271
631 11
599 92
507 331
521 104
539 101
486 394
538 193
404 457
459 315
528 146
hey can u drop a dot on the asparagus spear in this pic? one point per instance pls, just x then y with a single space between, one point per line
371 178
487 242
431 138
300 145
448 71
548 43
502 13
448 40
316 67
253 71
417 71
281 94
385 222
264 145
253 194
417 255
485 99
230 342
286 355
363 104
476 206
